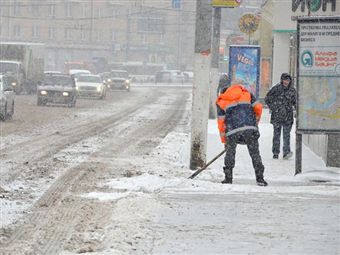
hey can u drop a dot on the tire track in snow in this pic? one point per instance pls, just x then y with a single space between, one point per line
34 232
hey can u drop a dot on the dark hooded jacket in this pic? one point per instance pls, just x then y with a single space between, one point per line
281 101
223 84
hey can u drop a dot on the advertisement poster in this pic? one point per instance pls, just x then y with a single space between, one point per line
319 49
318 83
244 67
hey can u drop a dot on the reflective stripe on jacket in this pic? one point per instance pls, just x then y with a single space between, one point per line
237 110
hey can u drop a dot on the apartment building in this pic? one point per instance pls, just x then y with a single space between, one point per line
144 31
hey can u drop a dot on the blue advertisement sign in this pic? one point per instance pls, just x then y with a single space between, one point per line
244 67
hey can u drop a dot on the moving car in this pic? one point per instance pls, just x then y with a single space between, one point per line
57 89
118 79
90 85
6 99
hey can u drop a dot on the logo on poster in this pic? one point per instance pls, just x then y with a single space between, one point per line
307 58
337 69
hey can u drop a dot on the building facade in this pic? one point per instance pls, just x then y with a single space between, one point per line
117 31
284 60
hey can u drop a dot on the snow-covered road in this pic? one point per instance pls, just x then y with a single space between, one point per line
124 190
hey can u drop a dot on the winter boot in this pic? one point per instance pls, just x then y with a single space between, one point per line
228 176
288 155
261 182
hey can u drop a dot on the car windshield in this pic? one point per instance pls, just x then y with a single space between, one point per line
58 80
84 78
120 74
8 67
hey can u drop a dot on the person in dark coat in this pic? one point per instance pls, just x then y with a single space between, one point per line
238 115
281 100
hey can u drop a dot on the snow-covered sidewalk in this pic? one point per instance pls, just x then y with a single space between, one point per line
160 211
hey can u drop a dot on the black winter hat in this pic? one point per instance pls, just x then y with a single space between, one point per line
285 76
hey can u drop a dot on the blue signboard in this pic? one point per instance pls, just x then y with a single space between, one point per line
244 67
176 4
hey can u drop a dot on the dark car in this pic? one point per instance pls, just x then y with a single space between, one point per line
57 89
118 79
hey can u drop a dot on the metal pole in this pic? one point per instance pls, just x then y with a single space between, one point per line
178 39
298 154
200 100
298 135
215 45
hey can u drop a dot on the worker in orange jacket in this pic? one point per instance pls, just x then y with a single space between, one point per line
238 115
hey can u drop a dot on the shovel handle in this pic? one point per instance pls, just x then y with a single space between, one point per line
208 164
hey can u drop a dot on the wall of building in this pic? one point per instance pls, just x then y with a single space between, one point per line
284 26
145 31
280 55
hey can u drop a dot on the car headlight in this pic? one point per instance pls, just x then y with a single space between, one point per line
43 92
14 83
66 94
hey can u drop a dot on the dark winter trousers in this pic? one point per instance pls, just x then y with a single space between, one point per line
249 138
277 137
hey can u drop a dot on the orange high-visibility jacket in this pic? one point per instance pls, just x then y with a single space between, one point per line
237 110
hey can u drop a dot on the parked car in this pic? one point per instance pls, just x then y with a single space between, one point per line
170 76
118 79
188 76
90 85
57 89
6 99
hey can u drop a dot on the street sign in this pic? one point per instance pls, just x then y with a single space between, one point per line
248 23
226 3
318 79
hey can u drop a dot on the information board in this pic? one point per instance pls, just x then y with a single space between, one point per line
318 81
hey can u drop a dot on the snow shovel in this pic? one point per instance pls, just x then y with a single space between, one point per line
208 164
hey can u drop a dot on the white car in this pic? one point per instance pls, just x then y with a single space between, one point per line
6 99
90 85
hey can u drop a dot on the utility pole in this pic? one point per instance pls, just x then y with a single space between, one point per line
178 38
200 96
214 60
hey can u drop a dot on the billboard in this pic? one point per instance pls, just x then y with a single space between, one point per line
318 83
244 66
